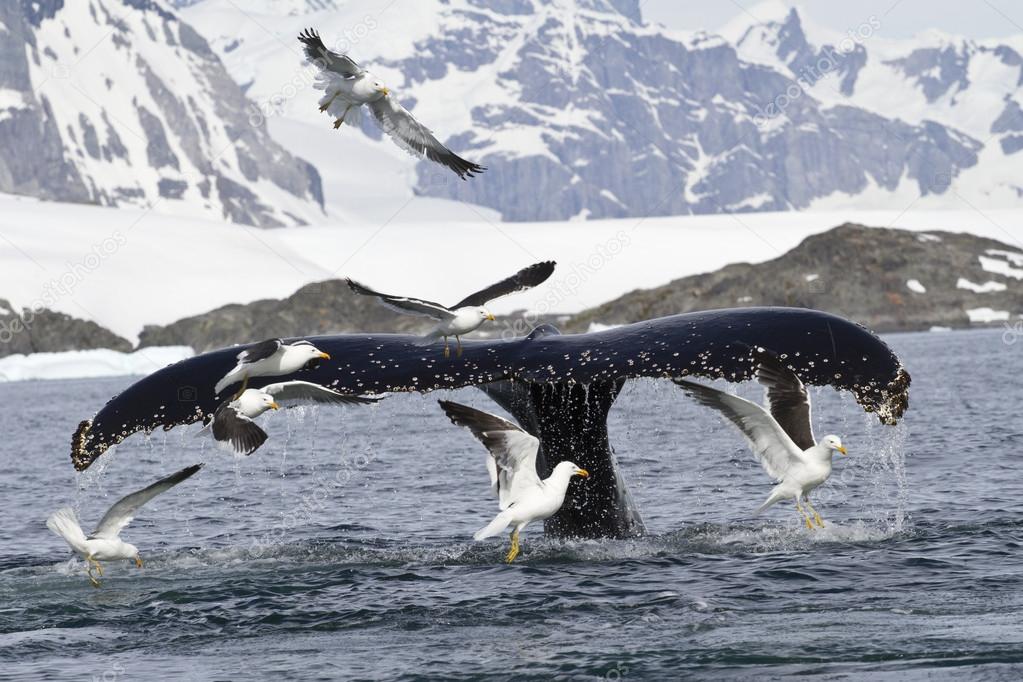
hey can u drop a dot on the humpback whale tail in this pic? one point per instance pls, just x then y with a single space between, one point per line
495 527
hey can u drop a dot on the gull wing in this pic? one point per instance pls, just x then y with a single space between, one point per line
768 440
405 304
259 351
415 138
512 450
123 511
231 426
305 391
526 278
318 55
787 399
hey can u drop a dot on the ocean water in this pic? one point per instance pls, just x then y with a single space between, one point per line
342 549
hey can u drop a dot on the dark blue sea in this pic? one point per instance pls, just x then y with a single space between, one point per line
342 549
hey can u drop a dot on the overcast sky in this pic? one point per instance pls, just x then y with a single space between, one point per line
899 18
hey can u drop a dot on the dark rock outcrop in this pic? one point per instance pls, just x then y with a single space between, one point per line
46 331
886 279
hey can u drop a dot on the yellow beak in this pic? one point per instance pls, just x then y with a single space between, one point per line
386 91
490 316
582 472
841 448
275 406
324 356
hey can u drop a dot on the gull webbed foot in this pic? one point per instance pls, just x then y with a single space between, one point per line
514 551
138 561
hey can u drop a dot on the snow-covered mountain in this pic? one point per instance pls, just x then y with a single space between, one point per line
581 110
971 86
120 103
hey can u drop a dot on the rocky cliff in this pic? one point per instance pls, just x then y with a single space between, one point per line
888 280
119 102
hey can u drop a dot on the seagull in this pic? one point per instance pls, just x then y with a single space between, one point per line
522 496
272 358
468 314
232 422
797 462
105 543
348 86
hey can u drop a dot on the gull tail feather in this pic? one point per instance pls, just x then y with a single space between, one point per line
64 523
432 337
771 500
495 527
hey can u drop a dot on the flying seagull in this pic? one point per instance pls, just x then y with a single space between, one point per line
348 86
233 421
522 496
469 313
797 469
272 358
105 543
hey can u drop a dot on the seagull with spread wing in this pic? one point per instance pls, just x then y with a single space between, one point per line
105 543
348 87
522 496
782 439
272 358
468 314
233 423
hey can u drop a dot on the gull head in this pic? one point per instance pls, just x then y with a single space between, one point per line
485 314
380 88
833 443
312 353
569 469
254 402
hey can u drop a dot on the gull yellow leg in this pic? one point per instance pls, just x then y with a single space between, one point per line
89 564
323 107
337 123
514 551
447 351
458 351
806 518
138 561
816 516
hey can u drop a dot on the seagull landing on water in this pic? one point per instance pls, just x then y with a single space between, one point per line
271 358
468 314
105 543
789 454
522 496
348 87
233 421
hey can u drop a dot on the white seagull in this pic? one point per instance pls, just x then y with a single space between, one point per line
522 496
271 358
105 543
468 314
798 468
232 422
348 86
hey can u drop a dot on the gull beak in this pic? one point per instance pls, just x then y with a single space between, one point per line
582 472
841 448
138 561
324 356
385 91
274 406
490 316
